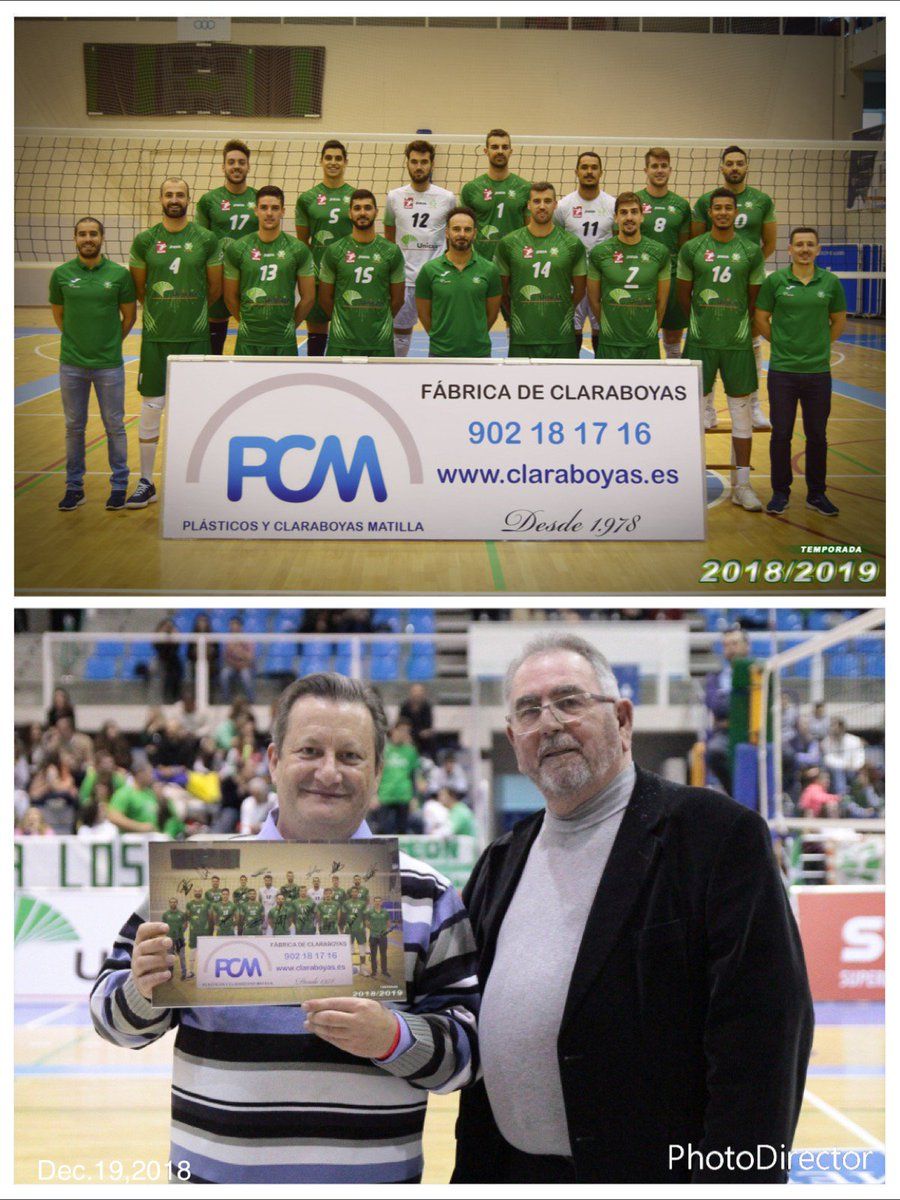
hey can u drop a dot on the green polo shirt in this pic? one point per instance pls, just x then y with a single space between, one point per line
141 804
801 330
90 298
458 299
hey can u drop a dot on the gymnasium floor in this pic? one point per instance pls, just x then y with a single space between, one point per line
76 1096
91 550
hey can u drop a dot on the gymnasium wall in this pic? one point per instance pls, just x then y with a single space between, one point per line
648 86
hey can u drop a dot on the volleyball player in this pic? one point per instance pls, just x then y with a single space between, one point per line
322 215
589 214
667 219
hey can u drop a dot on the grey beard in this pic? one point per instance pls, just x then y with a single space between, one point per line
561 780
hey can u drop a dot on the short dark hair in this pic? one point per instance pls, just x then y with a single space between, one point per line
657 152
544 186
804 229
462 210
627 198
496 133
270 189
339 689
419 146
235 144
333 144
589 154
99 224
720 193
733 150
363 194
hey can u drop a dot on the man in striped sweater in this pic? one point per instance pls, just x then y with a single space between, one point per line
333 1091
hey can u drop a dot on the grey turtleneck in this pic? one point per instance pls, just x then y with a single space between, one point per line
526 990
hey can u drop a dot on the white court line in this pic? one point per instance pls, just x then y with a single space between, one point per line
837 1115
40 350
837 358
46 1018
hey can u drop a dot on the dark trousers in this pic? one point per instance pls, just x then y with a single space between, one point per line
378 942
813 392
392 818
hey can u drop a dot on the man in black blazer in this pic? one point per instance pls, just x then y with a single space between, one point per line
646 1014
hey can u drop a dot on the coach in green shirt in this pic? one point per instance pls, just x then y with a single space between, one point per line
800 310
93 303
458 294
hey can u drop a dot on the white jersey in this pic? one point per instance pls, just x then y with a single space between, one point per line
267 896
590 220
317 894
420 221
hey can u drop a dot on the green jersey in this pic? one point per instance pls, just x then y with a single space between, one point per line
666 219
721 273
176 921
340 895
329 915
398 770
540 272
175 308
290 891
197 914
378 921
213 896
267 274
228 214
362 274
225 914
281 918
629 277
458 305
755 209
305 914
363 891
355 915
324 211
253 915
499 207
90 299
801 326
239 895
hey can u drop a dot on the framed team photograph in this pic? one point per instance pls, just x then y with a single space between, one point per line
262 922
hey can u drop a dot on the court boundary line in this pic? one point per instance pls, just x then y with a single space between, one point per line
851 1126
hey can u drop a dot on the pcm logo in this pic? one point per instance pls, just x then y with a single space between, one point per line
863 939
234 968
263 457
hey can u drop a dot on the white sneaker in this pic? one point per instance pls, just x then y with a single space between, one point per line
710 417
759 418
745 496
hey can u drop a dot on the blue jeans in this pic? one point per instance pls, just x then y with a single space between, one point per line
109 384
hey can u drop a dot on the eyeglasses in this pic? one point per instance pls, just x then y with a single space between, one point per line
565 709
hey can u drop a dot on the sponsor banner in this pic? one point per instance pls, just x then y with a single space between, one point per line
63 935
843 940
265 962
73 862
313 448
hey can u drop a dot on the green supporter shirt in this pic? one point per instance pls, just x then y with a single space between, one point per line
267 273
175 308
666 219
378 921
253 914
362 274
540 272
801 329
755 209
499 207
281 917
90 299
176 921
225 914
462 821
228 214
305 913
720 272
629 277
329 915
458 305
324 211
400 764
90 778
354 913
141 804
